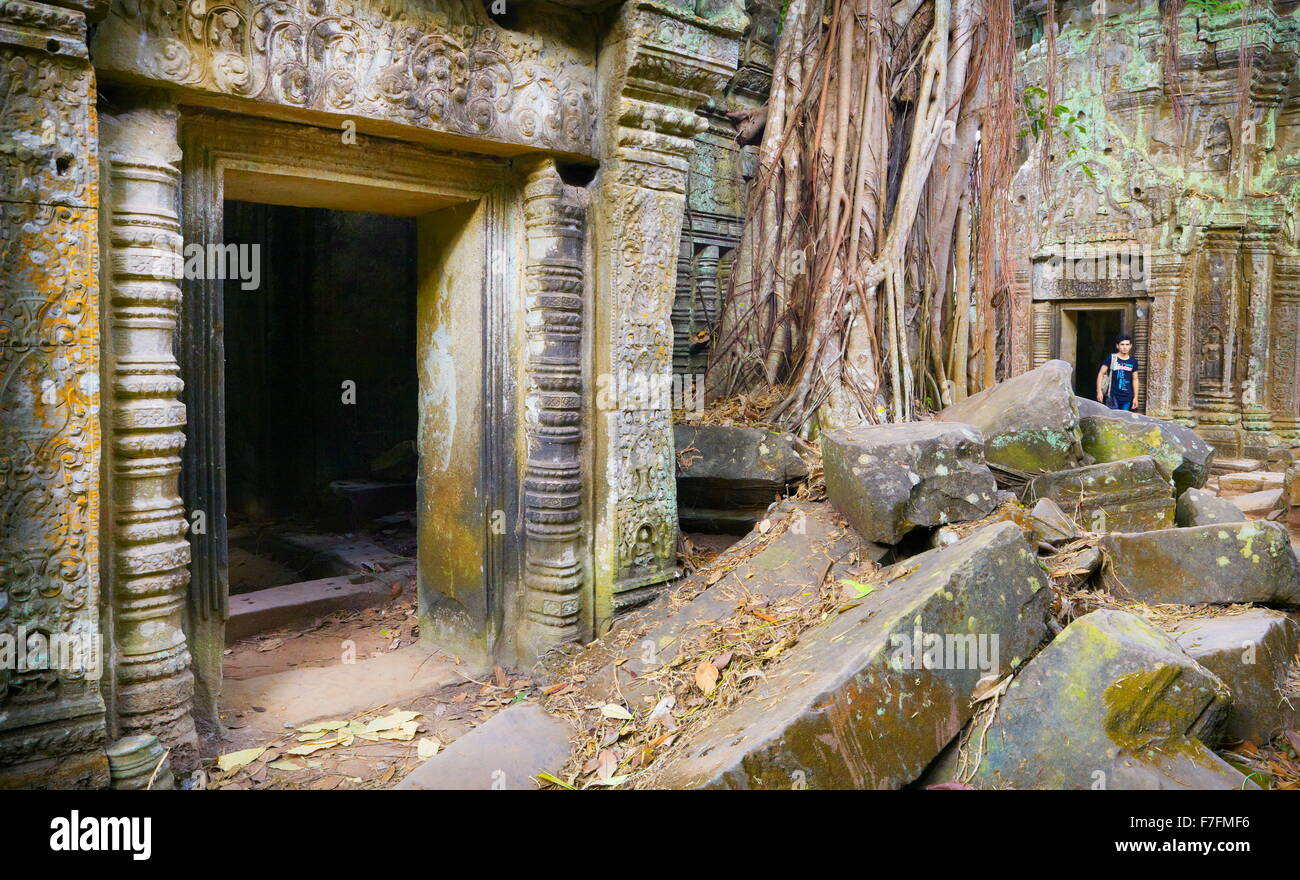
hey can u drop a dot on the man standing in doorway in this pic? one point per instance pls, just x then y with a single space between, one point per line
1117 381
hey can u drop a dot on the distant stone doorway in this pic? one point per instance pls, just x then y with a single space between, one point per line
1086 335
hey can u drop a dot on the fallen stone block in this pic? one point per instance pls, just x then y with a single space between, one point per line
352 504
1030 422
1220 564
1131 495
1258 503
1252 653
1111 703
1250 481
889 479
1197 507
803 545
867 699
727 476
1052 524
504 753
1112 435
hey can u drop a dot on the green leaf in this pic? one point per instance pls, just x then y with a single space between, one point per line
860 589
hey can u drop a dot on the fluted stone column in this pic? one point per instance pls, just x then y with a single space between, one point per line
52 719
150 555
659 64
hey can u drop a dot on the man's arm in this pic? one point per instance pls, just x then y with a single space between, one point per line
1101 383
1137 389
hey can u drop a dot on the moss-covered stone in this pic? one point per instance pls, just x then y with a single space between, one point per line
1030 422
1112 435
1132 495
1219 564
888 479
1196 507
1112 703
1252 653
867 699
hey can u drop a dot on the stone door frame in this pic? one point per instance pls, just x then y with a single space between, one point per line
220 148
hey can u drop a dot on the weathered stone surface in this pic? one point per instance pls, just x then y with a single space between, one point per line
1052 524
1196 507
1251 481
1112 703
888 479
1252 653
801 547
1258 503
506 752
1112 434
853 704
1219 564
1135 494
263 610
1030 422
732 474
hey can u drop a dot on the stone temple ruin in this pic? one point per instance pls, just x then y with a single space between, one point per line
532 173
530 218
1161 217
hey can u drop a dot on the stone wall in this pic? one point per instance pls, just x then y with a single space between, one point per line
52 722
558 509
1180 162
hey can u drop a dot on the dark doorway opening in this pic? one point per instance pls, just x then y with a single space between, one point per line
321 384
1095 332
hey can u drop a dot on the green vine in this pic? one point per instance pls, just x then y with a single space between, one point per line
1068 125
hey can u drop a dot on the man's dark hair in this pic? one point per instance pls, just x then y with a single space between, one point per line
1123 337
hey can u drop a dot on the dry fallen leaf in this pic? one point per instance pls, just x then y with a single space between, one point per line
234 760
612 710
706 676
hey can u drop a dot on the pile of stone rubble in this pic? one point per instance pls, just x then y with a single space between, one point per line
951 662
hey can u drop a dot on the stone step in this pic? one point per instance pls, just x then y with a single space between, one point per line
276 607
504 753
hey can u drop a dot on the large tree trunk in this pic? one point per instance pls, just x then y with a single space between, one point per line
843 291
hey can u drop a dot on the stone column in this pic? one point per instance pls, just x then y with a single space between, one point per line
659 65
150 555
555 218
52 719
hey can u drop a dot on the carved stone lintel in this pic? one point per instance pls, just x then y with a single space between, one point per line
150 558
440 67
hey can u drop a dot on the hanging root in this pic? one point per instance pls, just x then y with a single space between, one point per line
873 204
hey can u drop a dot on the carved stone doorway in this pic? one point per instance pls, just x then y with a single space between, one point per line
461 212
1085 335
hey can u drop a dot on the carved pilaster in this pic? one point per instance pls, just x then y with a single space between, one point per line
662 64
1258 247
1042 338
555 217
150 555
1164 376
1284 371
52 720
